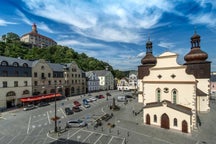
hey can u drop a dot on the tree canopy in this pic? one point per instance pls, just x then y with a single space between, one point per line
11 46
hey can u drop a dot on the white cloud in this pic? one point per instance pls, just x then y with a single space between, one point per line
208 19
167 45
5 23
141 55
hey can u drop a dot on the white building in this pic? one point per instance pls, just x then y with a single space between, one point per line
123 84
173 94
92 81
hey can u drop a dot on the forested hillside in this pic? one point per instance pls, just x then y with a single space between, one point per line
11 46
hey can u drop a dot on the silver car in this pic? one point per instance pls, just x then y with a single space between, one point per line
76 123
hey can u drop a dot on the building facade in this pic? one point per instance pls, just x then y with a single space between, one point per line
15 81
173 95
106 79
123 84
36 39
92 81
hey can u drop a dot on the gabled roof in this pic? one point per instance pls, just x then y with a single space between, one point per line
56 67
177 107
101 72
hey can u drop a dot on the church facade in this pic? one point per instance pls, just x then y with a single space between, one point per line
172 94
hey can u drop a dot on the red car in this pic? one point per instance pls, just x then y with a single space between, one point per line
101 96
76 103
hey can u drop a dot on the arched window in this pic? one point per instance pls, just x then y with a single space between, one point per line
25 65
26 92
155 118
174 96
175 122
4 63
15 64
158 95
10 93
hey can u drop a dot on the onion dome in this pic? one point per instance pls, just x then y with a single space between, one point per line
149 58
196 54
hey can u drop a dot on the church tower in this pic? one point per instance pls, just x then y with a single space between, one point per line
197 64
143 70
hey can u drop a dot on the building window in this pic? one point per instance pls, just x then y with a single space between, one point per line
25 83
35 74
16 73
25 74
11 93
155 118
4 84
42 67
49 82
25 65
15 64
49 75
4 73
175 122
158 95
15 83
35 83
4 63
174 96
26 92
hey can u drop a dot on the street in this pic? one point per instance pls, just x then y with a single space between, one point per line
36 127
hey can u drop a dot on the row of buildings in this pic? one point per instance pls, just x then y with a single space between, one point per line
23 80
173 95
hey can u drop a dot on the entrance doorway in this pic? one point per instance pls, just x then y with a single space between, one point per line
148 119
184 126
165 121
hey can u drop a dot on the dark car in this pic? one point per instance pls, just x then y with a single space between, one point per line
128 96
76 109
97 123
42 104
106 117
68 111
76 103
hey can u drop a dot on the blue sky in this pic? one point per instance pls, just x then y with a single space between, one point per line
115 31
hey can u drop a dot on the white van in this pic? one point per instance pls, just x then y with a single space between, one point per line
121 99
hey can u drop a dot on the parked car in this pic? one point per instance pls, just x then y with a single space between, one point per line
76 109
42 104
89 100
99 97
93 99
76 103
106 117
97 123
121 99
68 111
76 123
29 107
129 96
86 105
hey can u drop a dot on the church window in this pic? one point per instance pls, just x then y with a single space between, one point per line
175 122
155 118
174 96
158 95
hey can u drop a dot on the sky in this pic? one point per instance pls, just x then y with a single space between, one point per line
116 31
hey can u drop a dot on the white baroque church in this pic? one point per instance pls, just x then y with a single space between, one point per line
174 94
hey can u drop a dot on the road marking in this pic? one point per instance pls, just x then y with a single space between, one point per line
75 133
40 132
44 114
87 137
98 139
33 126
110 140
29 124
63 112
48 118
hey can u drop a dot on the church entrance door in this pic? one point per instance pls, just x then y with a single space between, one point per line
165 121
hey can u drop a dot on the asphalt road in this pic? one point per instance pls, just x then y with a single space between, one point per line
36 127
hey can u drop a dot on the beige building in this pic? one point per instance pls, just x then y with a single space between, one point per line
173 95
15 81
37 39
75 80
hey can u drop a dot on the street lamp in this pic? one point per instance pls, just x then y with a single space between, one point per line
55 129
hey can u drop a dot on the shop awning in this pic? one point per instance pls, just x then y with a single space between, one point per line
40 97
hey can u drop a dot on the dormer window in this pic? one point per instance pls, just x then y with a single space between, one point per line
4 63
15 64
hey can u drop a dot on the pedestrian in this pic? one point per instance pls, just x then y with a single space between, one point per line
133 112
